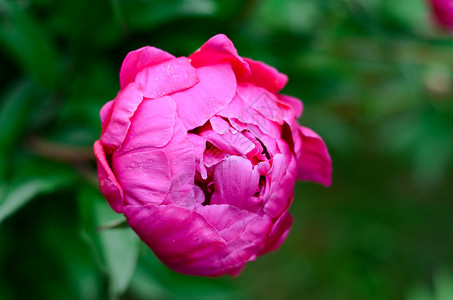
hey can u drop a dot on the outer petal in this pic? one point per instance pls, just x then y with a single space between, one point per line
213 92
126 103
167 77
139 59
220 49
180 153
106 113
293 106
313 160
443 13
278 232
279 185
236 182
145 175
153 124
261 101
181 238
233 223
266 76
110 187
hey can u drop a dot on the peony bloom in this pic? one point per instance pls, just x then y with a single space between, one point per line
201 155
443 13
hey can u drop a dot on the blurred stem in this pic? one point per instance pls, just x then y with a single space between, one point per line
80 157
59 152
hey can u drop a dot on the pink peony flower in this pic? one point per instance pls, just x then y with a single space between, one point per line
201 155
443 13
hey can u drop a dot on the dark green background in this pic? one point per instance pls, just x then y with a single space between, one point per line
376 79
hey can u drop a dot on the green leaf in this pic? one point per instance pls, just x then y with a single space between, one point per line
15 108
118 248
443 283
28 43
33 177
19 195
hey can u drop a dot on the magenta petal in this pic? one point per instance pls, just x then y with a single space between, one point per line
145 174
167 77
294 105
278 232
180 237
213 156
266 76
126 103
106 113
110 187
215 89
220 49
313 160
239 110
219 125
443 13
139 59
234 143
233 223
153 124
262 101
180 153
280 181
236 182
199 147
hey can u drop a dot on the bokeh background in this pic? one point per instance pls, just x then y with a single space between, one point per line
376 78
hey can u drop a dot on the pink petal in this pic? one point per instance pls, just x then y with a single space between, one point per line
236 124
239 110
126 103
145 175
167 77
264 167
156 131
278 232
106 113
220 49
313 160
266 76
182 239
213 155
199 146
233 223
262 101
180 153
153 124
293 103
234 143
219 125
215 89
269 139
236 182
139 59
280 182
443 13
110 187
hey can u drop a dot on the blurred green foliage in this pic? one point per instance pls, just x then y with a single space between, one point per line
377 83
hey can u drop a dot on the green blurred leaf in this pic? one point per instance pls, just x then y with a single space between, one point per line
148 14
28 43
117 248
15 109
443 285
30 179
